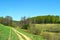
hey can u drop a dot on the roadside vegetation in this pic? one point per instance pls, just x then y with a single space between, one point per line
47 31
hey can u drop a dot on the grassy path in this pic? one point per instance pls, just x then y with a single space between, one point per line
9 38
32 36
20 34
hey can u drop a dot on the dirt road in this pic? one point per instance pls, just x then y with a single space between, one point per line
20 35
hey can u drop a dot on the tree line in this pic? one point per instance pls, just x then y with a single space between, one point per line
6 20
25 22
45 19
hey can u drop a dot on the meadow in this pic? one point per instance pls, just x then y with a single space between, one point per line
47 31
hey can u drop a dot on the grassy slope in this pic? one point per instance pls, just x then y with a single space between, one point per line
5 32
33 37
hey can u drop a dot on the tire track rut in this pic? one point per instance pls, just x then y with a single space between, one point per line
20 35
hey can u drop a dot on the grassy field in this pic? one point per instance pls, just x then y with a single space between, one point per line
45 27
5 32
47 31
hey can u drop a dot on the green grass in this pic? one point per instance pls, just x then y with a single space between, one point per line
5 32
33 37
14 36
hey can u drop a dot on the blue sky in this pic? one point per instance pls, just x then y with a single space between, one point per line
29 8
